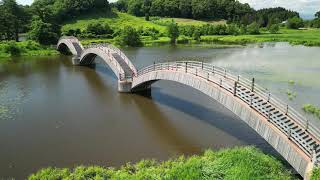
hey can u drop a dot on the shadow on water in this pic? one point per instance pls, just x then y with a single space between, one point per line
160 124
218 116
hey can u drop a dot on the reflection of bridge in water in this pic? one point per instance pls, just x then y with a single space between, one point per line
280 125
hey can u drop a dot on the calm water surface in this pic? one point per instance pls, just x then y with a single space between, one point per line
56 114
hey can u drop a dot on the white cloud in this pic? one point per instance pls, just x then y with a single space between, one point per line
304 7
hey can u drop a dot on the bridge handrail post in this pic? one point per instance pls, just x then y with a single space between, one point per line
154 66
235 88
186 67
287 109
213 69
252 85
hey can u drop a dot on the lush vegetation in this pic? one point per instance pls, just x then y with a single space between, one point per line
26 48
230 10
237 163
312 109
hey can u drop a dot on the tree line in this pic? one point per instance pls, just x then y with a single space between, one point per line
231 10
43 18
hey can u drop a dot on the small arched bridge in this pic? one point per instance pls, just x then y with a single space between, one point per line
286 130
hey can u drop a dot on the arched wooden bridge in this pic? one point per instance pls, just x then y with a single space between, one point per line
287 131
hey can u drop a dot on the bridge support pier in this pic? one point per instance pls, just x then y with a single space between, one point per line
75 61
124 86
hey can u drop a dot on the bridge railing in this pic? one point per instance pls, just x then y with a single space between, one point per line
104 47
306 136
118 51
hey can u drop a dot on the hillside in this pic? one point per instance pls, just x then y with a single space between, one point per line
115 21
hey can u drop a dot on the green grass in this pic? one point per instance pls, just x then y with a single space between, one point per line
185 21
115 21
26 48
238 163
309 37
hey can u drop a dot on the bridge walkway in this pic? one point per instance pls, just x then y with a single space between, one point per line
127 70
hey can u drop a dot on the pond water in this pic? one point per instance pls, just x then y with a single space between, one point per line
56 114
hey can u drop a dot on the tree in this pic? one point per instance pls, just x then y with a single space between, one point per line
156 8
121 5
13 19
173 32
135 7
185 8
146 7
317 15
171 8
197 34
44 33
129 37
295 23
253 28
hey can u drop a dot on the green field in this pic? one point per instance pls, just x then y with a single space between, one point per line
238 163
115 21
309 37
184 21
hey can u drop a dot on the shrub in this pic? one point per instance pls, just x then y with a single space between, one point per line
129 37
13 49
197 35
220 29
187 30
274 28
72 32
315 23
295 23
97 28
233 30
253 28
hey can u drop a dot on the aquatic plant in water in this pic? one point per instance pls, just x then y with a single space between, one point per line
291 95
312 109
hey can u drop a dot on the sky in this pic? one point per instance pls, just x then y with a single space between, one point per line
306 8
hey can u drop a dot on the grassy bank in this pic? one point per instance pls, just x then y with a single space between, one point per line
26 48
237 163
